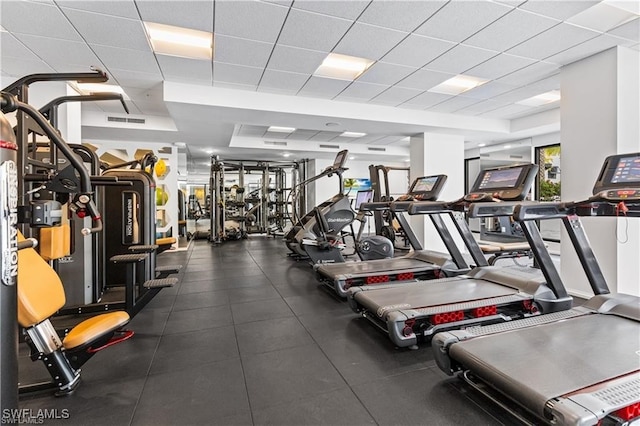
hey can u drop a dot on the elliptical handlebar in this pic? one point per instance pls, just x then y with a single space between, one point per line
83 201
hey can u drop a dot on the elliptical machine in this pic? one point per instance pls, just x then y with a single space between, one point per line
318 234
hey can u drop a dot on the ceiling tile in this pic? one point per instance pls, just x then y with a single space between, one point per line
510 30
285 3
459 59
348 9
417 50
552 41
241 51
60 53
293 59
361 91
461 19
139 80
400 15
36 18
20 67
174 67
531 73
453 104
558 9
505 111
424 79
389 140
197 15
368 41
588 48
122 8
133 60
326 88
249 19
489 90
13 48
236 74
324 136
630 30
383 73
395 96
302 135
425 100
253 131
499 66
101 29
481 107
533 89
312 31
283 81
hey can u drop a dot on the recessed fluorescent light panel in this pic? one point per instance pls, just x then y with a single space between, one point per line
342 67
542 99
353 134
278 129
603 16
178 41
89 88
458 84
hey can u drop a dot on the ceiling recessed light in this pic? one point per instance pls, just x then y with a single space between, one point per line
180 144
506 147
342 67
458 84
604 16
179 41
286 154
278 129
407 159
352 158
353 134
482 144
89 88
209 151
541 99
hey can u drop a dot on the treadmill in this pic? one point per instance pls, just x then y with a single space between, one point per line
415 311
418 264
582 365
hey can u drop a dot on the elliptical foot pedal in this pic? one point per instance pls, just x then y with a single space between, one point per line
160 283
148 248
166 270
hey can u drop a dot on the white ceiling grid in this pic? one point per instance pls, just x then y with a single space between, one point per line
275 46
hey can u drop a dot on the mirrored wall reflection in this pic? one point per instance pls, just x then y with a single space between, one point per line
504 229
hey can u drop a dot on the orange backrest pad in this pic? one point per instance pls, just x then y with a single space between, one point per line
40 291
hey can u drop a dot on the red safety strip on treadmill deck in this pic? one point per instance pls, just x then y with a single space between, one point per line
8 145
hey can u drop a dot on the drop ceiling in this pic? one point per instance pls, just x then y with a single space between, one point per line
272 48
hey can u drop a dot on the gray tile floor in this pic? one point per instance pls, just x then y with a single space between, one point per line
249 337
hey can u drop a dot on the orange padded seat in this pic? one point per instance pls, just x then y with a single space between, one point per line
94 327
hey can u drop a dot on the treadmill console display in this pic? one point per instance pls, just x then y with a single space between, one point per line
363 197
341 159
427 188
504 183
619 178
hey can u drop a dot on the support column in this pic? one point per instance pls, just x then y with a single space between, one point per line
600 116
431 154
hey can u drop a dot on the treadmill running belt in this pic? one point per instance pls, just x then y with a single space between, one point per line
373 266
431 293
536 364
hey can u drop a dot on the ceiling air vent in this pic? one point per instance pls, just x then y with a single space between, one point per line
376 149
329 146
275 143
126 120
517 157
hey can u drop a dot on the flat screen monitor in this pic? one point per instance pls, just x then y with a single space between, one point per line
500 178
363 197
424 184
621 170
341 158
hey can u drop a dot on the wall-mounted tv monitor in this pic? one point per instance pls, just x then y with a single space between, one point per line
363 197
